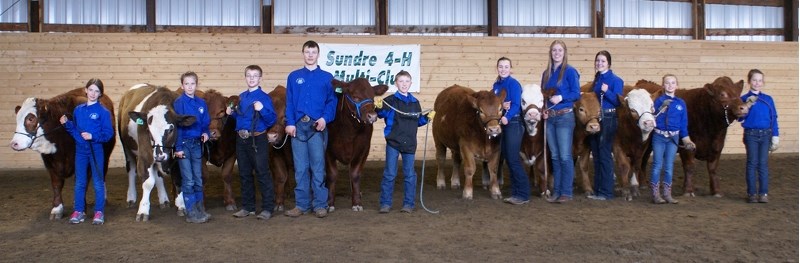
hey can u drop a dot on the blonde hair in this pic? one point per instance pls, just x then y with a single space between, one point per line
550 63
664 78
498 64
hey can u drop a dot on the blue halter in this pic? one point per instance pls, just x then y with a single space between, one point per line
358 104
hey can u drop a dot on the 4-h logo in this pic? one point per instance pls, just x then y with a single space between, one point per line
679 107
94 116
200 109
300 81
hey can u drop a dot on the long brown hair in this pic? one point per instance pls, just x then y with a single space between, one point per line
597 74
550 63
498 64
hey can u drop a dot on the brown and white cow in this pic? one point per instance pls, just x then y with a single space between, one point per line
349 135
281 162
147 129
467 123
532 149
635 122
587 122
711 110
38 128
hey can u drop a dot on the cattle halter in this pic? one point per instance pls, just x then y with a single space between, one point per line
358 106
33 135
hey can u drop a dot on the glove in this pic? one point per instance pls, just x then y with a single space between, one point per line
664 105
752 99
379 103
433 113
774 145
688 144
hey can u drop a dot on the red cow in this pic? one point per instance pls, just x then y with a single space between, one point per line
281 162
467 123
350 134
711 110
38 129
635 122
587 122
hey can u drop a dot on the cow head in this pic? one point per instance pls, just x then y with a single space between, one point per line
641 105
160 123
587 112
29 132
277 133
489 109
532 104
358 96
726 93
216 111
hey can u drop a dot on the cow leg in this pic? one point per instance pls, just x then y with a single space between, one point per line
688 171
624 168
583 169
469 170
147 186
441 155
227 179
279 175
713 179
131 184
331 174
57 185
163 197
494 183
355 184
455 176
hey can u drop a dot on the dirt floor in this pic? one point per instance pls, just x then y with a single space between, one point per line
699 229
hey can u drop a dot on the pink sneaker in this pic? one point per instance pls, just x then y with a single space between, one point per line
99 219
77 217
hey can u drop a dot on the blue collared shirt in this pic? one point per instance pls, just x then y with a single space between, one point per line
611 96
310 92
675 118
762 114
244 116
569 87
185 105
513 94
94 119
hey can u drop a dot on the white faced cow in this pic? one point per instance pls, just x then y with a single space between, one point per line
147 129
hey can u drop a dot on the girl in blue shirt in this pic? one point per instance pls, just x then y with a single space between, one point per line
760 136
189 151
607 86
672 122
512 132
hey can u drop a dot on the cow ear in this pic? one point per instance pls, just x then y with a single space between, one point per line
709 89
186 120
503 95
137 117
339 86
16 109
739 86
473 100
380 89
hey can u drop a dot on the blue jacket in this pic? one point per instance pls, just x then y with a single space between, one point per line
94 119
244 114
611 96
401 130
569 88
762 114
675 118
513 94
310 92
185 105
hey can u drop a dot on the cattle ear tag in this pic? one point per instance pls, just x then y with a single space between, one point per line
139 121
338 90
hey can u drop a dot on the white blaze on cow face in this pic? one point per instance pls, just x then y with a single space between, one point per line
162 133
639 101
532 103
28 133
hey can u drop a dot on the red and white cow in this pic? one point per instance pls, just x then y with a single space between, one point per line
147 130
38 129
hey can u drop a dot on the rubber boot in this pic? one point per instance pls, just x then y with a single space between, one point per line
656 196
668 193
200 205
192 215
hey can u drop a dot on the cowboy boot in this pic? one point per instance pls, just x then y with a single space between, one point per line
200 205
192 215
656 196
668 193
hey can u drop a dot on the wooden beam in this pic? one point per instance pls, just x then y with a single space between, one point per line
382 17
545 30
492 27
745 31
150 15
34 18
324 29
598 18
698 19
14 27
649 31
267 22
790 20
77 28
209 29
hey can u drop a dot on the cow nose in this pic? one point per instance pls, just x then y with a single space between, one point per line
372 117
743 111
272 137
214 134
494 130
593 128
14 145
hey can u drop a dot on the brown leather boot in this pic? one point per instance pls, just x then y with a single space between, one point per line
656 196
668 194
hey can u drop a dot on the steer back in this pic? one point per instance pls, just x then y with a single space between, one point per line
38 128
467 123
350 134
281 161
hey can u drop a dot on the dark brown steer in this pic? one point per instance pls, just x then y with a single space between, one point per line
635 122
350 134
281 162
587 122
467 123
711 110
38 128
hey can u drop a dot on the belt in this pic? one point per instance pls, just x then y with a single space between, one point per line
666 133
758 131
610 110
244 134
305 118
556 113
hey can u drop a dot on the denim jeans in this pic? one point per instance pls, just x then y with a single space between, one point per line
602 145
191 166
559 142
390 173
757 143
257 159
308 152
84 160
664 149
510 148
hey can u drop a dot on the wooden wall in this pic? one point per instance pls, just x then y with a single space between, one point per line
46 64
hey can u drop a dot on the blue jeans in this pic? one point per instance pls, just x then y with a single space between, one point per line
602 145
510 148
757 143
664 149
390 173
559 141
308 152
257 159
191 166
84 161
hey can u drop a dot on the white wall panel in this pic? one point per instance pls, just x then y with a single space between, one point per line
324 12
544 13
648 14
208 12
438 13
101 12
740 16
14 11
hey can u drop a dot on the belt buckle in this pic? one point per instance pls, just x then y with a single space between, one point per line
244 134
305 118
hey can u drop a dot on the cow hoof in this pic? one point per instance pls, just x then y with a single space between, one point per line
358 208
142 218
497 196
230 208
440 186
628 198
718 195
131 204
279 208
164 205
467 197
55 216
688 195
455 186
331 209
181 212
